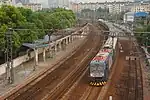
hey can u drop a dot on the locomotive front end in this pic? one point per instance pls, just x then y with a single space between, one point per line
97 73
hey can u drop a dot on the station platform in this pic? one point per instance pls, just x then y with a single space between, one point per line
25 72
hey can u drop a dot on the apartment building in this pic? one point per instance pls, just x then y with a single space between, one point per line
141 8
114 7
58 3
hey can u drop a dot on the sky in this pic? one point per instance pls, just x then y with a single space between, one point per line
98 0
45 2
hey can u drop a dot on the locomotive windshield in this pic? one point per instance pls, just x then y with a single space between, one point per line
97 70
107 47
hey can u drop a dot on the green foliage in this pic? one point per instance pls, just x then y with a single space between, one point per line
103 10
140 36
148 38
143 38
140 22
11 16
25 12
86 10
21 18
3 29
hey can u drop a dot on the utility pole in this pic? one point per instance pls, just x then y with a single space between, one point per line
77 14
113 36
9 67
95 12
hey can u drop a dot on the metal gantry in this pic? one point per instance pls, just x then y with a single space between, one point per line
9 58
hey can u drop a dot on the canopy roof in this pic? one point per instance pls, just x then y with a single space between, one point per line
41 42
137 14
141 14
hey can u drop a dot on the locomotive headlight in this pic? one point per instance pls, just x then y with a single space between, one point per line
102 74
92 75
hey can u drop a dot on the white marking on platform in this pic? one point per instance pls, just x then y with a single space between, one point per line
131 57
121 50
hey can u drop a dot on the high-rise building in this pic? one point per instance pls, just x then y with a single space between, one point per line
52 3
58 3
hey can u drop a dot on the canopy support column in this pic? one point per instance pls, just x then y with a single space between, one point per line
44 55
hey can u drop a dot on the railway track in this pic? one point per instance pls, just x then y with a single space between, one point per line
55 82
81 90
126 84
130 85
135 86
133 80
134 89
66 85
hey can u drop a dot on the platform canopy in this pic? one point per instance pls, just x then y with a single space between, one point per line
141 14
41 42
34 45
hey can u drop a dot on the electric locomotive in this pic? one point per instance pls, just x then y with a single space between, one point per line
100 65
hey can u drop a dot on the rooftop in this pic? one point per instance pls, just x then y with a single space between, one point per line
141 14
137 14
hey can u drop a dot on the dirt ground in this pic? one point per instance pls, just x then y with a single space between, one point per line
121 63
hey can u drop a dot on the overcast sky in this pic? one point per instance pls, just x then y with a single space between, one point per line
98 0
45 2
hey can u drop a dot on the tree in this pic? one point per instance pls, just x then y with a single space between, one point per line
3 29
21 18
10 17
26 12
105 10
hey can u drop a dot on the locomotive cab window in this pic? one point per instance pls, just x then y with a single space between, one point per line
97 70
